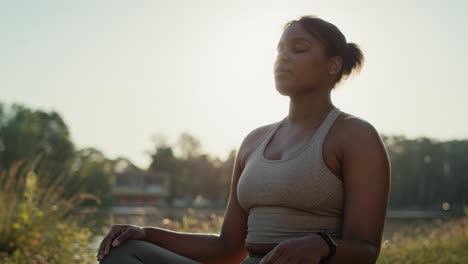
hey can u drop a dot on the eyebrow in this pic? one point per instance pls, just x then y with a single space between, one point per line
296 39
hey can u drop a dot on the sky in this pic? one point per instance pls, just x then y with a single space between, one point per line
120 72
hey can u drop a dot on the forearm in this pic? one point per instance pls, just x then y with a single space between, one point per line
353 251
197 246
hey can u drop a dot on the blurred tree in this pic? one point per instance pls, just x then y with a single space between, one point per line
193 173
93 172
188 145
426 173
27 134
163 159
227 168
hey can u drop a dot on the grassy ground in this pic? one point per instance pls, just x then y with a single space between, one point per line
439 242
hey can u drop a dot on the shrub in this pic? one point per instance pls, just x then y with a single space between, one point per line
36 225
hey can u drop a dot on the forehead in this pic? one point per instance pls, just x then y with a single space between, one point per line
296 30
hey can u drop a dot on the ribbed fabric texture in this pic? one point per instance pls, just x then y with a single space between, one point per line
292 197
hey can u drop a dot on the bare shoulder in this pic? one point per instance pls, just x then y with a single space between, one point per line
353 129
252 140
359 139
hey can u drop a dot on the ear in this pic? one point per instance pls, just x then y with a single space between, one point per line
334 65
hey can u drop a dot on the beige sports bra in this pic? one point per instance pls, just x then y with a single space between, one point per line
292 197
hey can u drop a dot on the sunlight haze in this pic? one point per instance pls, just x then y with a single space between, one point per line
119 72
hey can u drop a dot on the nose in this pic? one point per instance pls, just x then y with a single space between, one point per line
282 57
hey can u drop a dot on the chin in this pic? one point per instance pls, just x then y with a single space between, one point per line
280 90
284 89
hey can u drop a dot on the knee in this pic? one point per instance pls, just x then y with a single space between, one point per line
135 244
121 254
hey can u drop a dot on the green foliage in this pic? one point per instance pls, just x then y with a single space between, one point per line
26 134
36 225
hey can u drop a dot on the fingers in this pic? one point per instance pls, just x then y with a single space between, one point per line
100 251
121 238
282 260
104 247
107 244
266 258
271 257
100 255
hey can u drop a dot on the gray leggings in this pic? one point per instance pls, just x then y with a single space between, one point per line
138 252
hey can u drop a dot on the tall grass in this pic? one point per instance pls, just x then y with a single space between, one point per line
37 224
438 242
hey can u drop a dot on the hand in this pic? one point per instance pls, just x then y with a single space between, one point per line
310 249
117 235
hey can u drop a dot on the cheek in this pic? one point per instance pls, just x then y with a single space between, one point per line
312 69
311 73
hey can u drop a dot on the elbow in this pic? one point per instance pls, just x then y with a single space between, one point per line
369 251
233 252
237 255
232 258
373 251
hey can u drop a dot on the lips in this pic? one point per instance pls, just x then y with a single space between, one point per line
281 70
282 73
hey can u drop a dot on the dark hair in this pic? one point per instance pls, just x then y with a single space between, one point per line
334 42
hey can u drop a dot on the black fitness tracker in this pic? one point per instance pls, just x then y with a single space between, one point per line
331 244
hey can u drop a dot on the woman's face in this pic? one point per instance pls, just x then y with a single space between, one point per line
301 63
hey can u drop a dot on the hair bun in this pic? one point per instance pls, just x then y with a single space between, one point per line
353 59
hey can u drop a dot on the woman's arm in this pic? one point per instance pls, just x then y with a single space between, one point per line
366 175
229 245
208 248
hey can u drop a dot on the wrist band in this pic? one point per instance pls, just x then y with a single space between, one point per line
331 244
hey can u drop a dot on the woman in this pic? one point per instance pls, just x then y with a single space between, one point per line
318 169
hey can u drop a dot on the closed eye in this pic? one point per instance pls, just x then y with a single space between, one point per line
296 46
299 49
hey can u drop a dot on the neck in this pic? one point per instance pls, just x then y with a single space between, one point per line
309 108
